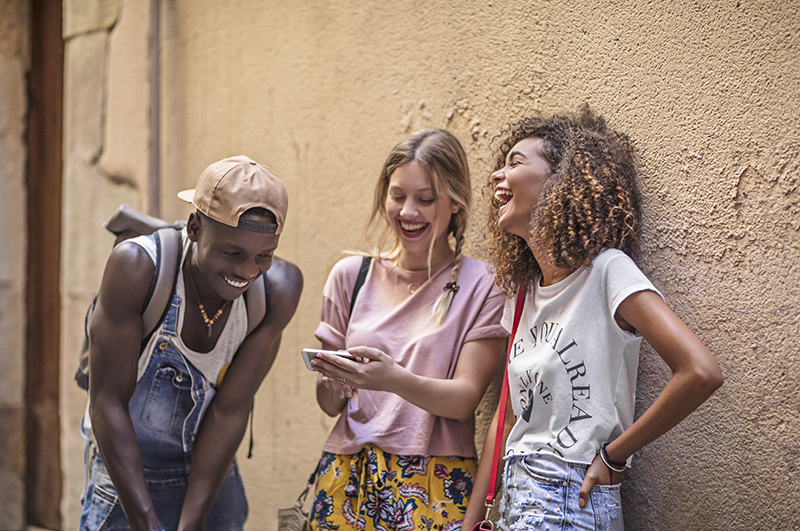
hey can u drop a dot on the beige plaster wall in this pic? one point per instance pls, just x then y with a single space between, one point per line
14 67
102 106
321 90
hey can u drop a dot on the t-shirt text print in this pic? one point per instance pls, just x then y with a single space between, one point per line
572 369
533 387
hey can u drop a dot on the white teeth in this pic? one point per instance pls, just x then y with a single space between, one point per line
411 227
502 195
235 284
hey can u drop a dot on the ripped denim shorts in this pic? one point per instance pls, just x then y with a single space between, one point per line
541 492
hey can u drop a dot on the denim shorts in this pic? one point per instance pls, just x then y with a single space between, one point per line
541 492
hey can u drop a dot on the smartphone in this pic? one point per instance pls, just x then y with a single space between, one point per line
310 353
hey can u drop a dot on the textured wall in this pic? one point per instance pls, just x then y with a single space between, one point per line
94 113
14 65
321 90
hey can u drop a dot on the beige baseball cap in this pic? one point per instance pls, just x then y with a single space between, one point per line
228 188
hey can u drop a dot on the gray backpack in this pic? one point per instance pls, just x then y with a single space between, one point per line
127 222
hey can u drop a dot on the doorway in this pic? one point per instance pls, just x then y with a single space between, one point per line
45 117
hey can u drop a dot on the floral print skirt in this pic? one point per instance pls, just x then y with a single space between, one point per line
376 490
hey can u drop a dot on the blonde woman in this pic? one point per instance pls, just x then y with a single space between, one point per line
426 323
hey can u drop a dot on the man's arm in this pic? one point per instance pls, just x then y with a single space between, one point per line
225 421
116 335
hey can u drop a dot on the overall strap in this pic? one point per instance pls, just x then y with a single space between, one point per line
501 417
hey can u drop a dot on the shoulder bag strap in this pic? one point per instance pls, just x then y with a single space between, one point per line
501 417
362 276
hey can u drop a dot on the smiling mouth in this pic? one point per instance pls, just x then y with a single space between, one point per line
412 229
235 284
503 195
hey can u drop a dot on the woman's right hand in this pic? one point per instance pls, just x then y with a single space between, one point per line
597 474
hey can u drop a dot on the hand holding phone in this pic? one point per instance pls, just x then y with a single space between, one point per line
310 353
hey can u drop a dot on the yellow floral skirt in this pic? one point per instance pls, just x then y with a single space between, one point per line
376 490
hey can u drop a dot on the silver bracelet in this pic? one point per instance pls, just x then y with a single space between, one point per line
607 461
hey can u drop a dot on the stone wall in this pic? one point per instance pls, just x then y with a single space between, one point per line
100 89
320 91
14 65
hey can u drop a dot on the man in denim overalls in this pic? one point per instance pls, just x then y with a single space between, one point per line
165 420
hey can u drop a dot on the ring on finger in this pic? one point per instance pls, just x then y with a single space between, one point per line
342 381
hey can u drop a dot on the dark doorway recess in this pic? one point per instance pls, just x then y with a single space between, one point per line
42 431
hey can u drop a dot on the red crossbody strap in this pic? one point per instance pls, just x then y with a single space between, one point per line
501 418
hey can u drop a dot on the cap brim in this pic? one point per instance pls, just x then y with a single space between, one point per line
186 195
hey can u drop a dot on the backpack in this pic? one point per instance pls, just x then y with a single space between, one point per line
127 222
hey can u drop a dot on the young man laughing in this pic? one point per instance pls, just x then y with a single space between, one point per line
166 416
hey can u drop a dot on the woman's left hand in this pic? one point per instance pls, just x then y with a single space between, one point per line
336 386
377 371
597 474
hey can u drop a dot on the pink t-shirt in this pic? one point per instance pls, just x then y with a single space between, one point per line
393 313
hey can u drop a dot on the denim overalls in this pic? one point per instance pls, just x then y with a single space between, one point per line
166 407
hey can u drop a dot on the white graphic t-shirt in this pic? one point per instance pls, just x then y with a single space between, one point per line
572 369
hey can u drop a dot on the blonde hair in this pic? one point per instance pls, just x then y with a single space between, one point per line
441 155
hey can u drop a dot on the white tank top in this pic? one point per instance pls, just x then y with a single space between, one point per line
214 363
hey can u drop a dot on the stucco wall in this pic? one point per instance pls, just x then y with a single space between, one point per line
320 91
100 101
14 66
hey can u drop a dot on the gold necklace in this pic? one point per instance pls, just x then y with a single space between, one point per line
209 321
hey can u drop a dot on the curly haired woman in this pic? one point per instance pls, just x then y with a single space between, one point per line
563 223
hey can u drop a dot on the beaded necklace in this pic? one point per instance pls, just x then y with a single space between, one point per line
209 321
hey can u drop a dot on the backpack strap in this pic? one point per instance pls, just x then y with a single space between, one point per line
257 301
362 276
82 373
169 249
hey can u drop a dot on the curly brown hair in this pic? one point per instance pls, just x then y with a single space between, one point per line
590 201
